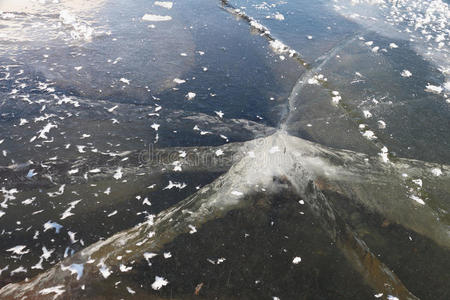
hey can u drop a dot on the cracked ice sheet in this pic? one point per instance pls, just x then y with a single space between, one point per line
21 12
72 29
82 127
371 103
424 24
302 28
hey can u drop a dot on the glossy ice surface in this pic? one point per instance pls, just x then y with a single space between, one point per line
224 149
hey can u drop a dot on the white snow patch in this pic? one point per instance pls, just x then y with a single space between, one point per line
190 96
436 172
406 73
417 199
118 174
179 81
156 18
165 4
58 290
74 269
159 283
367 114
433 89
19 250
393 45
54 225
296 260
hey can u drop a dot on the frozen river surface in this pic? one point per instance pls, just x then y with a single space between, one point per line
237 149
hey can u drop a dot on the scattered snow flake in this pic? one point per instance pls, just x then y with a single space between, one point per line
118 174
148 256
369 134
112 108
124 268
38 266
417 199
112 214
278 47
155 126
433 89
406 73
58 290
4 269
81 148
19 250
418 182
72 237
393 45
313 80
436 172
384 154
296 260
224 137
31 173
43 132
146 202
159 283
165 4
221 260
336 99
367 114
18 270
74 269
192 229
54 225
381 124
124 80
46 253
190 96
73 171
219 113
104 270
179 81
172 185
278 17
